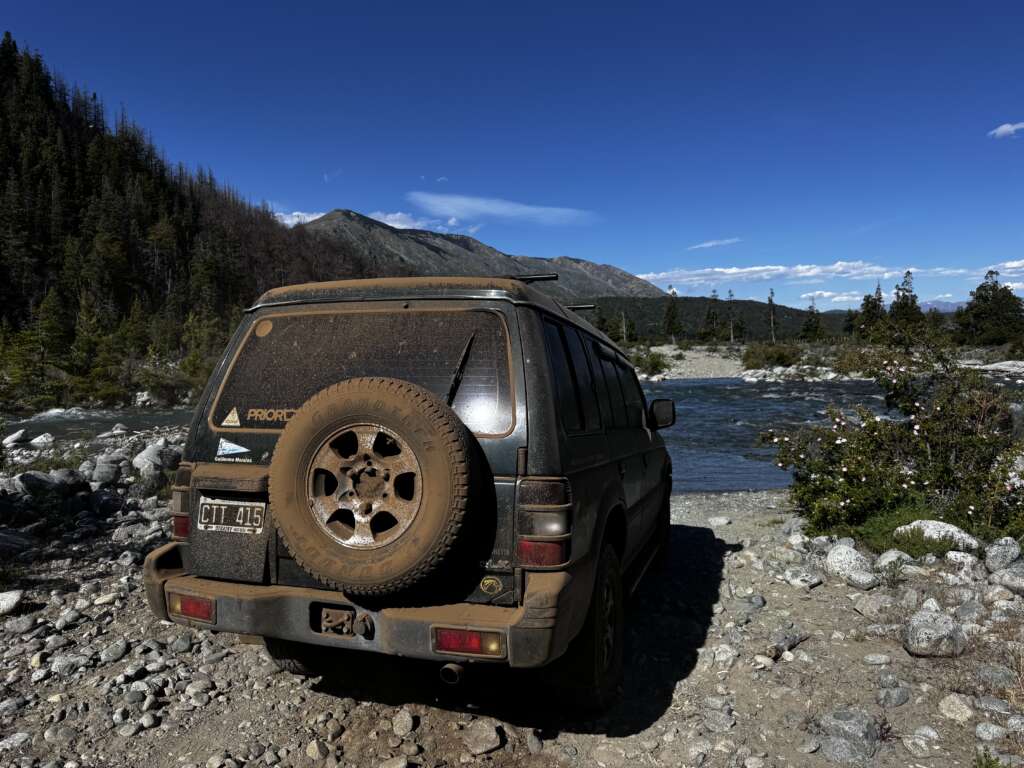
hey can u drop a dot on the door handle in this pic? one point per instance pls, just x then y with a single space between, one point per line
622 469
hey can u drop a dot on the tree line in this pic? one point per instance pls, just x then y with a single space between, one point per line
113 261
993 316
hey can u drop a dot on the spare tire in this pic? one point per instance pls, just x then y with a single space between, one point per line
369 484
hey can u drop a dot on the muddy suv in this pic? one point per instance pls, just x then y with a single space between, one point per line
455 469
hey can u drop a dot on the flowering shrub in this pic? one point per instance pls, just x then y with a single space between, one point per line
946 454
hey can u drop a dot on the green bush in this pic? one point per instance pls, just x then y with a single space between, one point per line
761 355
948 455
650 362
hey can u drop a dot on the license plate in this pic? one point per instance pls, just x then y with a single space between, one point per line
231 516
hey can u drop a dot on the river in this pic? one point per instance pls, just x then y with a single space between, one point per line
714 444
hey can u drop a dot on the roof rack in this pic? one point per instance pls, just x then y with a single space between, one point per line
537 277
580 307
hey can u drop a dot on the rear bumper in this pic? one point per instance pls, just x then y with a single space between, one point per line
537 632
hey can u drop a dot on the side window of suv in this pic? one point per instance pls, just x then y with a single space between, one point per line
568 401
632 393
616 402
584 380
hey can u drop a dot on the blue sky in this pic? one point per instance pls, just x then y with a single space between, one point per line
811 148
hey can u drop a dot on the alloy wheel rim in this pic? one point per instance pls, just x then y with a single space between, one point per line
364 486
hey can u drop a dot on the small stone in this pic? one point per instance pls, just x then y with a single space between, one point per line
718 722
852 734
10 600
801 578
14 741
481 737
861 580
956 707
114 652
149 720
809 746
317 750
402 723
930 633
990 732
843 559
401 761
719 522
877 659
873 606
893 697
886 559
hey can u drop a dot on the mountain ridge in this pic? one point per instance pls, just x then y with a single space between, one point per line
388 251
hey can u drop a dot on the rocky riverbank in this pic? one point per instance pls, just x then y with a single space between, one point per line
726 363
756 647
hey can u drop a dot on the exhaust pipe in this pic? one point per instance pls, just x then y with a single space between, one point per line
451 674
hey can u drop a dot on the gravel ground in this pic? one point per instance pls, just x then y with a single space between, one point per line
733 658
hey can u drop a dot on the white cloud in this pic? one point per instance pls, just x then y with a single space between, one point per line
942 297
1006 130
295 217
715 243
850 270
402 220
1017 287
442 178
474 229
468 207
836 297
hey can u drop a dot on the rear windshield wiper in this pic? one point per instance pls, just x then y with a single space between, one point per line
453 388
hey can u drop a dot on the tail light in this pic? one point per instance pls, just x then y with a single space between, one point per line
544 521
181 526
542 553
191 607
468 642
181 518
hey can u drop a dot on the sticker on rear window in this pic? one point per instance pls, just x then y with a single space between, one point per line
231 420
232 452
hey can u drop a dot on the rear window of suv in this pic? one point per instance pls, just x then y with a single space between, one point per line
287 358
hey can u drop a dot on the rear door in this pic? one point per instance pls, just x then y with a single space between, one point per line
625 444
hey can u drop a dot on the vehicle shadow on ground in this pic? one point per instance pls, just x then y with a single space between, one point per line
667 623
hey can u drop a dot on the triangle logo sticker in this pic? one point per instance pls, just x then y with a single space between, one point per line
227 448
231 420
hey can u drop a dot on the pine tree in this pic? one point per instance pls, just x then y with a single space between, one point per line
904 311
872 320
811 329
994 315
670 325
771 313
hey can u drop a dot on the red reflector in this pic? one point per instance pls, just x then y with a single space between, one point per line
181 526
199 608
542 552
459 640
470 642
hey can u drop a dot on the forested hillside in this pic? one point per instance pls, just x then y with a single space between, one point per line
112 259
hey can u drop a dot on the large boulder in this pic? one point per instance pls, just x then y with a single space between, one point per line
842 560
44 440
1011 577
933 633
1000 554
937 530
37 484
14 438
157 457
849 736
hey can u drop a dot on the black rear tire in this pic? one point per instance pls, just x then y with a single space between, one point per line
591 670
295 658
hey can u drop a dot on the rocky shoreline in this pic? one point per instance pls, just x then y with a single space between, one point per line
758 646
